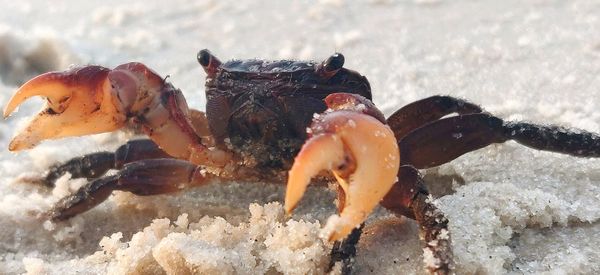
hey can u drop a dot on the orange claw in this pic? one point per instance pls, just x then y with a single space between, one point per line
74 97
94 99
363 155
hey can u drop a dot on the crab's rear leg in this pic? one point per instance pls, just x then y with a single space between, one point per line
421 112
409 197
95 165
145 177
441 141
428 140
438 141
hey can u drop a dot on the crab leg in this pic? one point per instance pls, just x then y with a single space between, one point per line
94 99
409 197
362 154
144 177
419 113
96 164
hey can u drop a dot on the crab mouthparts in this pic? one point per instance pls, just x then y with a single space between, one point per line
363 155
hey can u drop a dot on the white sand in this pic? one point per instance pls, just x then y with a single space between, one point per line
511 209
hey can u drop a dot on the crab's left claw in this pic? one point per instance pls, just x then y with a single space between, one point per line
363 155
78 102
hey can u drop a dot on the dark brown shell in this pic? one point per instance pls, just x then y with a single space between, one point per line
262 108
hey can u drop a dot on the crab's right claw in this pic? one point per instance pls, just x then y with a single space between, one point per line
79 102
363 155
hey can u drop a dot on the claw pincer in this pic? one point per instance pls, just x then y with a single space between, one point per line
73 97
361 152
94 99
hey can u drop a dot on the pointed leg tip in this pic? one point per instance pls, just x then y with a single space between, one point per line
54 216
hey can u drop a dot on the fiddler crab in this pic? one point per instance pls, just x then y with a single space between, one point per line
271 121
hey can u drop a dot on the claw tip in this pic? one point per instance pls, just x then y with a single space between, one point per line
289 206
18 144
8 109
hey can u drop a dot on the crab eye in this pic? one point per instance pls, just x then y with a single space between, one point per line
204 57
334 62
208 61
330 66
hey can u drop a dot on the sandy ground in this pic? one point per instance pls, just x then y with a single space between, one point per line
511 209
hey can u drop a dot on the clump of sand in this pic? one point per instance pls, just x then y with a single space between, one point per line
266 243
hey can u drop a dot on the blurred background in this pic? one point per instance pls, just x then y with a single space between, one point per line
487 51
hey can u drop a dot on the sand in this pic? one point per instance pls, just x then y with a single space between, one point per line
512 210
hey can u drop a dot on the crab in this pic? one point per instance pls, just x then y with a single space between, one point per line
271 121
